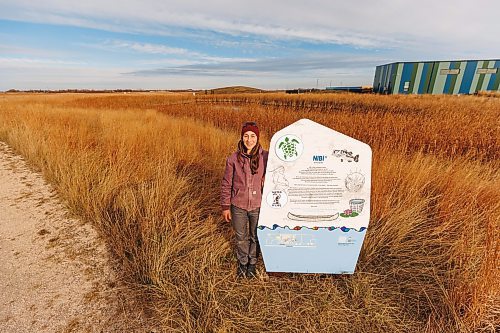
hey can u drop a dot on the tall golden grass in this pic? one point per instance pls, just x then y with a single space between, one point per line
452 125
145 170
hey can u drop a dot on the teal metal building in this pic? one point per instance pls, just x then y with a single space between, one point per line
437 77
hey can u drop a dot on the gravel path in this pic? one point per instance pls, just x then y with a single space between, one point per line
55 275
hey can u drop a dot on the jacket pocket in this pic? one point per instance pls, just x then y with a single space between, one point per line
234 192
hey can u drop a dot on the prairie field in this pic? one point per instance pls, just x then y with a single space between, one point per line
145 169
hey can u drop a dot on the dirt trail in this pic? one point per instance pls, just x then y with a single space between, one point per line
55 275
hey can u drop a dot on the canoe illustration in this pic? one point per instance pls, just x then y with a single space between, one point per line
312 218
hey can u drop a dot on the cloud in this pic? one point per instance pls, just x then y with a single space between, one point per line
35 62
240 42
318 65
99 78
27 52
41 76
147 48
455 24
261 73
187 57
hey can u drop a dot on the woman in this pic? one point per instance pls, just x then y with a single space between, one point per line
241 193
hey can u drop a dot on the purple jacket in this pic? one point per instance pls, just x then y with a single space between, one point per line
239 186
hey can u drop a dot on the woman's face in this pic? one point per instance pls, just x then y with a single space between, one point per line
249 139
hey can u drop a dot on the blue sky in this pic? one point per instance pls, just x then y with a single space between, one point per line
151 44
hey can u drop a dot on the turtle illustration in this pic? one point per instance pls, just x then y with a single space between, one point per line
288 147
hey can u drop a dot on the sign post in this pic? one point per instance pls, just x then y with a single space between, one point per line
316 200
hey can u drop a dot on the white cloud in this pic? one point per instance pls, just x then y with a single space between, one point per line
403 30
262 73
166 50
188 57
147 47
310 65
40 77
98 78
35 62
6 49
454 25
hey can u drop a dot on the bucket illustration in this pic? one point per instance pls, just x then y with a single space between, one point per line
357 205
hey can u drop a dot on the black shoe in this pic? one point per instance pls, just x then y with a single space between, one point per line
251 271
241 271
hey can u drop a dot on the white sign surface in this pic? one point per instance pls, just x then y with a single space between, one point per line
316 200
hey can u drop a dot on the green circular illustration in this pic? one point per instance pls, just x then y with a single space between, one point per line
289 148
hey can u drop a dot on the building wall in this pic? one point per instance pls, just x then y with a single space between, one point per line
438 77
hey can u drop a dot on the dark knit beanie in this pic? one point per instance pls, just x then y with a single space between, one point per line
250 126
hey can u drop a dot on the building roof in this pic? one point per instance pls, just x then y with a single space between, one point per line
412 62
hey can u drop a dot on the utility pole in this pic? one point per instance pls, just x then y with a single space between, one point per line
317 82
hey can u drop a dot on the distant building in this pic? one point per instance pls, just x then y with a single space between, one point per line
437 77
300 91
354 89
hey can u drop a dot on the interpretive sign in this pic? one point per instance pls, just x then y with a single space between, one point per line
316 200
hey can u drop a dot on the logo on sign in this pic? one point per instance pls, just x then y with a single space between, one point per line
319 158
289 148
276 199
346 241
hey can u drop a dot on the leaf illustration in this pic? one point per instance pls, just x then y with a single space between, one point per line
281 144
295 140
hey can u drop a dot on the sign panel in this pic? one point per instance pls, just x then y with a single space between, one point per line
316 200
487 70
452 71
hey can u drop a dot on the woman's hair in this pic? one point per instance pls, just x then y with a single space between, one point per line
253 155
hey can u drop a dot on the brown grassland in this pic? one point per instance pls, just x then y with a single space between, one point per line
145 170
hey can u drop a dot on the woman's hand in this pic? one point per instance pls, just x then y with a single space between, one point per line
227 215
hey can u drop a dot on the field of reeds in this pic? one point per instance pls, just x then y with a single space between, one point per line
145 170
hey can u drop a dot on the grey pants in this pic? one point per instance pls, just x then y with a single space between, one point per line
245 226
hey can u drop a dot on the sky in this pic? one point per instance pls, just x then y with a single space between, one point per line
153 44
